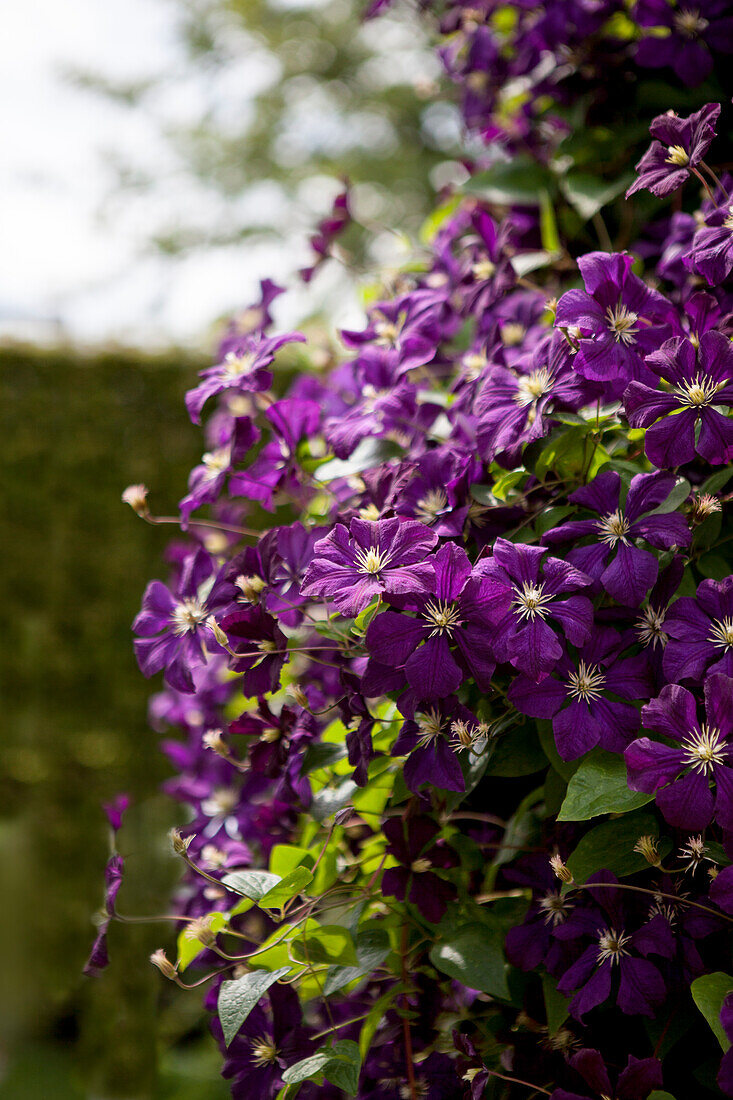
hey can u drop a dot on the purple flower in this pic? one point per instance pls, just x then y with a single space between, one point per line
701 379
417 847
98 957
681 776
514 407
700 633
581 696
244 369
635 1082
115 809
620 319
613 559
680 145
329 228
261 648
711 252
275 469
173 627
437 491
206 482
531 944
694 30
453 613
614 950
524 593
431 739
372 558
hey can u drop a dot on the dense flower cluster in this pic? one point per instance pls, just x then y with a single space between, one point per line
456 729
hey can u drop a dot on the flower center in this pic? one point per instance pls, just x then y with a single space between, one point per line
677 155
704 748
264 1051
530 601
484 269
586 683
420 866
465 737
223 800
443 616
555 908
372 560
699 392
430 725
695 851
689 22
721 633
613 527
216 462
431 505
612 945
236 365
531 387
513 333
649 627
189 614
728 222
622 323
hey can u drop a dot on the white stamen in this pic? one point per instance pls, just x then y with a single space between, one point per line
613 527
704 748
530 601
612 945
586 683
622 323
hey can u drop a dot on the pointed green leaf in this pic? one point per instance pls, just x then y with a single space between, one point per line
599 786
251 884
237 998
708 993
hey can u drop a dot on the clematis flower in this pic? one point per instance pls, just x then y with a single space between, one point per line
711 251
680 145
700 633
725 1073
417 847
206 482
614 950
274 468
173 626
531 944
640 1077
514 407
329 228
99 956
431 739
681 776
453 613
243 369
371 558
631 571
620 320
701 381
261 648
582 696
693 31
523 593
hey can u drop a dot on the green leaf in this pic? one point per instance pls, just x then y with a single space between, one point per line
678 496
610 847
525 262
372 948
332 799
328 943
505 483
517 753
376 1014
251 884
548 225
293 883
599 786
369 453
237 998
340 1064
659 1095
321 754
556 1004
519 180
344 1075
474 955
284 858
717 481
708 993
588 194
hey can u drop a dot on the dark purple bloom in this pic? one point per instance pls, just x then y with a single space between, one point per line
700 633
619 319
261 648
680 145
531 944
582 696
173 627
615 950
635 1082
514 407
437 491
274 469
99 957
244 369
711 252
206 482
694 30
430 740
700 378
682 776
115 809
329 228
371 558
417 847
523 593
453 613
631 571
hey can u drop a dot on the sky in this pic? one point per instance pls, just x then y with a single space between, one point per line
75 262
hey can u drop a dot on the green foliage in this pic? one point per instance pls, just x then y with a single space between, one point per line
708 992
474 955
599 787
238 997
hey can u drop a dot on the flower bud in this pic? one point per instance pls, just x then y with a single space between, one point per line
164 965
299 696
218 633
561 869
137 497
179 843
200 929
250 587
